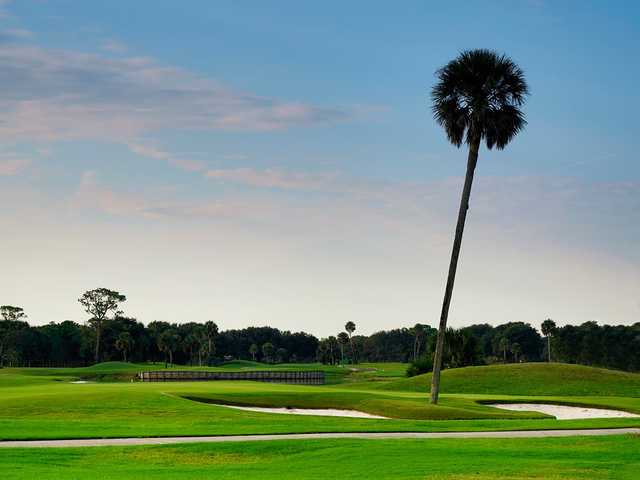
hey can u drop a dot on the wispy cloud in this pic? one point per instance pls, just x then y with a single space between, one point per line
48 94
13 165
275 178
114 46
92 195
15 35
151 151
95 196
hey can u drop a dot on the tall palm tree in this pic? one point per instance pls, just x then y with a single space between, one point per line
548 329
477 97
350 327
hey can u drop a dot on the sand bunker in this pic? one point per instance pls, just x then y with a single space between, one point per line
81 381
564 412
324 412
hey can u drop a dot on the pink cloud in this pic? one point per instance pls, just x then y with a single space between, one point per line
275 178
155 153
13 166
48 94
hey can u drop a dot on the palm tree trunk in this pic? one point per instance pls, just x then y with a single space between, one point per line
455 253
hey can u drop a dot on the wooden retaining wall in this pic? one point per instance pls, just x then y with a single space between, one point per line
314 377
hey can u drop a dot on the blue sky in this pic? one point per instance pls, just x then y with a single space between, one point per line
276 162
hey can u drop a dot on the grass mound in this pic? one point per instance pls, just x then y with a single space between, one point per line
528 379
113 367
242 364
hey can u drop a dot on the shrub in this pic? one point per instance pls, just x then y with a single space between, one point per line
424 364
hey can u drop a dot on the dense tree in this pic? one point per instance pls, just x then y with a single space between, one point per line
281 355
503 344
267 351
343 339
529 340
10 324
99 303
253 350
332 347
516 349
124 344
418 339
70 344
168 342
210 332
477 97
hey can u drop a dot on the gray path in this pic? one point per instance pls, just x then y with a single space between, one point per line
100 442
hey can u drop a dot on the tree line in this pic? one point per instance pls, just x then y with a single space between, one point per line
109 334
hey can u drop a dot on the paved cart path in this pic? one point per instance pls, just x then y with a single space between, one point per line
100 442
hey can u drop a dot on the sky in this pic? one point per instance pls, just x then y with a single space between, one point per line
276 163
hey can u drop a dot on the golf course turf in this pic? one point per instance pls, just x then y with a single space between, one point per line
553 458
45 404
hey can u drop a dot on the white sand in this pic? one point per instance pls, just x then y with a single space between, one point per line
81 381
564 412
324 412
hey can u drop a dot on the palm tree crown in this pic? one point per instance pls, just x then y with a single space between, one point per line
478 96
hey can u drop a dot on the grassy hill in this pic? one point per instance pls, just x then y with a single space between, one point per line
527 379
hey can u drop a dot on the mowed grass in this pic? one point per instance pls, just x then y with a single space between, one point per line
528 379
121 371
41 406
591 458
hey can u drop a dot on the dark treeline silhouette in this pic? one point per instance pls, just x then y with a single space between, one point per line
121 338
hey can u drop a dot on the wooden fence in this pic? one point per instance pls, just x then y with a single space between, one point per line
314 377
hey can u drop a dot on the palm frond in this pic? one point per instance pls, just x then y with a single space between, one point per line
478 97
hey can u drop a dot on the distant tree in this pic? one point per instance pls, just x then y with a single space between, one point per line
98 303
418 338
124 344
281 355
199 341
168 343
478 96
343 339
504 347
253 350
548 329
516 349
332 345
350 327
191 344
211 332
267 351
11 313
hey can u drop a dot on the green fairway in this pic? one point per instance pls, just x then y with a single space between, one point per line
121 371
552 458
528 379
39 404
